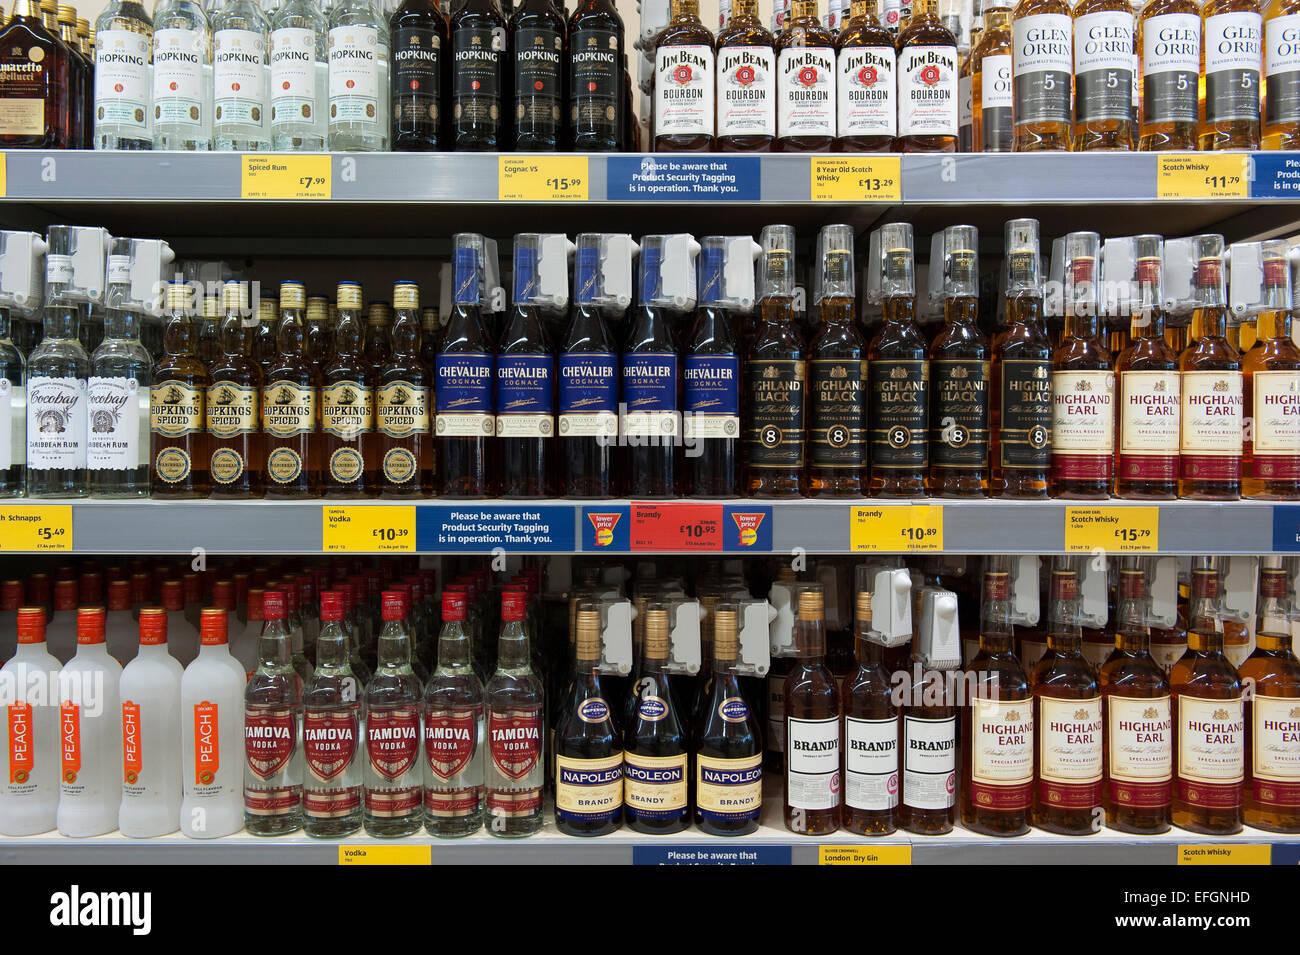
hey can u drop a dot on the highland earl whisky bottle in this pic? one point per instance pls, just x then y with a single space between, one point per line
349 442
180 381
402 404
1103 75
746 88
479 87
812 726
1043 70
805 82
290 399
684 82
654 740
1231 58
525 367
711 385
1270 460
537 32
237 451
465 369
867 108
871 765
596 78
1169 43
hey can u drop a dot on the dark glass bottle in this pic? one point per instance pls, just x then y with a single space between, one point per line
402 404
812 726
866 64
650 418
290 406
479 84
805 82
746 65
525 385
180 382
588 388
350 444
537 34
465 373
871 764
81 72
598 111
238 451
418 45
34 83
684 82
654 741
711 386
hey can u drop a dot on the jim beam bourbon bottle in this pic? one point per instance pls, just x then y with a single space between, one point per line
1209 742
684 82
1169 42
290 400
1231 59
805 82
992 96
1083 383
1211 446
394 792
812 726
234 419
1281 75
870 770
515 709
273 764
866 87
927 83
453 728
349 443
1103 75
1138 728
746 82
331 732
1042 71
1270 461
1067 717
998 736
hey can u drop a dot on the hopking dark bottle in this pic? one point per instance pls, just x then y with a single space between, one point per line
537 32
525 379
465 421
711 385
649 416
418 46
478 87
597 95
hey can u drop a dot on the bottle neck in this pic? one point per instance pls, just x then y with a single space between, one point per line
512 647
348 332
868 652
120 324
997 18
62 319
453 646
684 11
407 328
332 647
743 11
178 335
273 648
1084 327
394 646
1147 324
1274 325
1131 631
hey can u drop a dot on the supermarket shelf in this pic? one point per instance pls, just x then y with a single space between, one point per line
735 527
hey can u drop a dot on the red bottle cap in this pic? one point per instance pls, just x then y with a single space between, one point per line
153 626
348 596
214 626
513 604
119 595
31 624
192 588
223 596
241 588
255 603
331 605
173 596
90 625
273 607
65 572
38 590
393 605
453 604
91 588
140 588
11 595
65 595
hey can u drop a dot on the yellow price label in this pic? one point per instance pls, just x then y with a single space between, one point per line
859 179
1132 529
1246 854
542 178
33 527
386 855
4 175
1202 176
897 527
287 177
368 529
864 855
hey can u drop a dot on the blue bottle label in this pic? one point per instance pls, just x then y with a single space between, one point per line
588 394
524 406
650 394
711 396
464 398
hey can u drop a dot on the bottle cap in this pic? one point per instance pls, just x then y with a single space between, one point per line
776 262
1023 267
273 605
392 605
316 308
90 625
1065 585
234 295
833 277
172 595
141 585
223 595
119 595
31 624
292 295
1273 583
454 602
513 605
91 588
811 602
331 605
349 295
178 297
726 636
11 595
656 640
153 626
192 585
997 585
406 295
214 626
587 633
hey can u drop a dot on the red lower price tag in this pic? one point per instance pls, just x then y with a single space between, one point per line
676 527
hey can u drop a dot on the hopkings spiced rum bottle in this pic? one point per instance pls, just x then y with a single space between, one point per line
235 442
290 398
180 381
866 88
349 442
746 82
1270 461
1043 70
402 404
927 83
812 725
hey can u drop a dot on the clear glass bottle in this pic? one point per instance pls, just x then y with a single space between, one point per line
13 413
394 781
57 373
358 76
273 765
453 730
515 706
241 39
182 77
123 84
331 732
299 77
992 93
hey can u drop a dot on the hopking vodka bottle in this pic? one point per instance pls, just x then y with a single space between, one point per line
241 78
123 58
29 798
358 77
212 712
182 77
299 77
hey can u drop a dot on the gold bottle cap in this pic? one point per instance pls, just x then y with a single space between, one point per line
656 634
406 295
83 27
429 318
178 296
785 574
292 295
49 6
349 295
811 604
316 308
234 295
377 314
211 306
587 635
862 606
726 638
67 13
267 306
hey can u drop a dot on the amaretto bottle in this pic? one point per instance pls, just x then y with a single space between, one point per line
151 753
212 714
182 77
123 84
29 798
299 77
358 77
90 732
241 78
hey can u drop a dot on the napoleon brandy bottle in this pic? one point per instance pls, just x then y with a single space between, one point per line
1042 68
1103 75
537 31
478 87
1231 57
1270 459
998 735
899 402
1281 75
746 85
812 726
1083 383
959 366
1209 738
234 405
1138 727
525 380
992 96
465 371
180 381
927 83
290 396
684 83
866 88
348 438
588 387
402 404
1150 390
870 733
775 375
1210 449
1169 43
597 93
711 385
418 41
837 365
654 741
805 82
1067 718
1272 785
650 421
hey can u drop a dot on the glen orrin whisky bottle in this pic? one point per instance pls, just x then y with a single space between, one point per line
1231 57
1169 43
1281 75
180 381
1103 75
992 90
1043 70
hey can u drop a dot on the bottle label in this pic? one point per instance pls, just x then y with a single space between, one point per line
588 395
1149 406
654 787
464 395
650 395
537 56
588 790
417 74
870 763
1002 754
12 423
524 407
711 396
476 76
450 736
729 790
122 79
240 76
132 751
1069 752
812 773
805 92
595 83
1083 425
927 91
56 423
1167 654
900 423
232 409
684 92
1103 66
207 746
1277 425
1211 443
1140 750
270 737
997 101
288 409
1042 68
293 76
1211 756
403 409
347 409
837 412
1025 431
70 747
1233 57
113 411
746 92
1282 69
175 409
355 61
21 748
329 742
392 740
1275 750
868 102
965 112
776 714
515 741
178 68
1171 68
960 429
776 402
